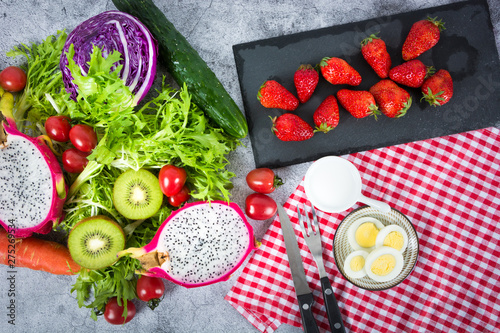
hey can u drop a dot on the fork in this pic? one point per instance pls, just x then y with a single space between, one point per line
312 236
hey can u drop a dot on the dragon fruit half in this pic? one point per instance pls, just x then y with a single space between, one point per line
32 186
200 244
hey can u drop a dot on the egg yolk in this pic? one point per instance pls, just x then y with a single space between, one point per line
357 263
383 265
395 240
366 234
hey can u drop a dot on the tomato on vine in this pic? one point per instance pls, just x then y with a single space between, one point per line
74 160
113 313
13 79
263 180
58 127
150 289
83 137
180 197
260 206
172 179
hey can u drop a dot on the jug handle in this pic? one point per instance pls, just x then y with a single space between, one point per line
382 206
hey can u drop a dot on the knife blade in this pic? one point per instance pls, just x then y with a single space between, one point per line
304 294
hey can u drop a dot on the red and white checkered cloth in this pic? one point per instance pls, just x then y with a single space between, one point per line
449 188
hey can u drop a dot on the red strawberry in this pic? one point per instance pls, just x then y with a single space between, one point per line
438 89
358 103
375 53
326 116
411 73
338 71
273 95
423 35
290 127
392 100
306 79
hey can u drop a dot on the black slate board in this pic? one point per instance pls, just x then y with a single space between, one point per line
466 49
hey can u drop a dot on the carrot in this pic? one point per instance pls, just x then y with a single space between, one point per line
37 254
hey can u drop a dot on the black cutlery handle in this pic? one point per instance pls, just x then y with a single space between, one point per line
332 307
308 321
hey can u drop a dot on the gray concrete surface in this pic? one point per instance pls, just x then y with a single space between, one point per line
43 301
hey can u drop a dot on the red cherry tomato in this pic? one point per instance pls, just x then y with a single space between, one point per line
83 137
74 160
113 313
13 79
172 179
260 206
263 180
58 127
150 289
180 197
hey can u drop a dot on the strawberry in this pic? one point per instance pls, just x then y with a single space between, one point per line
358 103
338 71
438 89
290 127
305 79
326 116
375 53
392 100
423 35
411 73
273 95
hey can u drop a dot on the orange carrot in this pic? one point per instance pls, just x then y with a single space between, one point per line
37 254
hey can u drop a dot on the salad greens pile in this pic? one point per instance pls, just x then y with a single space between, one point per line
167 129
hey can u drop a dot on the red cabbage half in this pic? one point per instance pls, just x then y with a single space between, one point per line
114 30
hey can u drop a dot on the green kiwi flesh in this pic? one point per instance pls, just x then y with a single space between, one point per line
95 241
137 194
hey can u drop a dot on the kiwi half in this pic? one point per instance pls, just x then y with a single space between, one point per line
94 242
137 194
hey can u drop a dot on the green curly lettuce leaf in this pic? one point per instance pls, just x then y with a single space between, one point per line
43 77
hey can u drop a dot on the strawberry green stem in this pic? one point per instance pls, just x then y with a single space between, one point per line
439 24
368 39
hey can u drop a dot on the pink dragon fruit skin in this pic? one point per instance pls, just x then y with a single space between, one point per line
151 255
59 187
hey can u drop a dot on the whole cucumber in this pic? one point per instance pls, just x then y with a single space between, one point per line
186 66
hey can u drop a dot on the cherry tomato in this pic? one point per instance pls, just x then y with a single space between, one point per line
180 197
172 179
260 206
13 79
113 313
83 137
74 160
150 289
263 180
58 127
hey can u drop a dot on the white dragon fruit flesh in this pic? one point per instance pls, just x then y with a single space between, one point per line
32 187
199 244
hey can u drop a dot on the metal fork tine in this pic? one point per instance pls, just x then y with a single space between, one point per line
304 222
301 222
315 219
310 229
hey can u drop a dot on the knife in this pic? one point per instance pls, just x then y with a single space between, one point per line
304 294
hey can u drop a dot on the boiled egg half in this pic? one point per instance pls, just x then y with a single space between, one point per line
393 236
354 264
362 234
384 264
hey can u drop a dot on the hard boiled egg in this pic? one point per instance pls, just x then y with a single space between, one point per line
384 264
393 236
363 232
354 264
